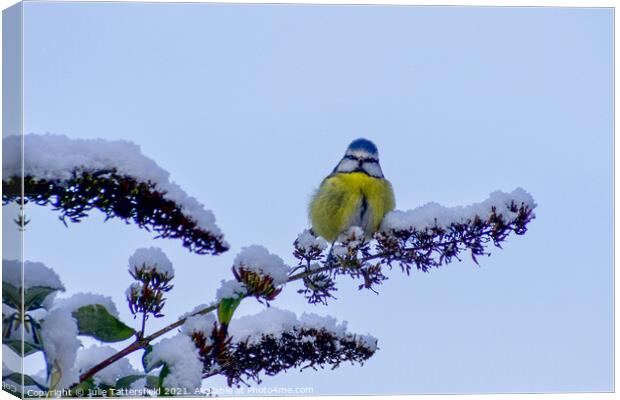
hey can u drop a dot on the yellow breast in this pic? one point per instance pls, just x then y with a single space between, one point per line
345 199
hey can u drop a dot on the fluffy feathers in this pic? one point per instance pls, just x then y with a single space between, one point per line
355 194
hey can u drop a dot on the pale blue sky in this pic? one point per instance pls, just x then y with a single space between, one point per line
250 106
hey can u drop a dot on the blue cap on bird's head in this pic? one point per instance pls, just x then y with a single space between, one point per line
363 145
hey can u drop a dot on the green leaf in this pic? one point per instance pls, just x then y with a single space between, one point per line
11 296
147 350
94 320
162 375
155 365
28 381
126 381
16 346
34 297
227 308
83 387
105 387
152 381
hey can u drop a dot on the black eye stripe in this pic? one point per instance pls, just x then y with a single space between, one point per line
364 160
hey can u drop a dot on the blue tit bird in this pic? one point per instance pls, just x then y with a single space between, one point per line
354 194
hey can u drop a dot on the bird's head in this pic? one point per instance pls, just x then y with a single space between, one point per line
361 156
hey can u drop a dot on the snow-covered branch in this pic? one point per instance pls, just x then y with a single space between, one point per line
429 236
273 341
426 237
75 176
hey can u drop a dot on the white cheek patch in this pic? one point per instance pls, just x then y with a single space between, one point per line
373 169
346 165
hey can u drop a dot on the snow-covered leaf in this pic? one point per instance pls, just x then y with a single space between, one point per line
90 356
182 367
59 335
81 299
95 320
34 297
